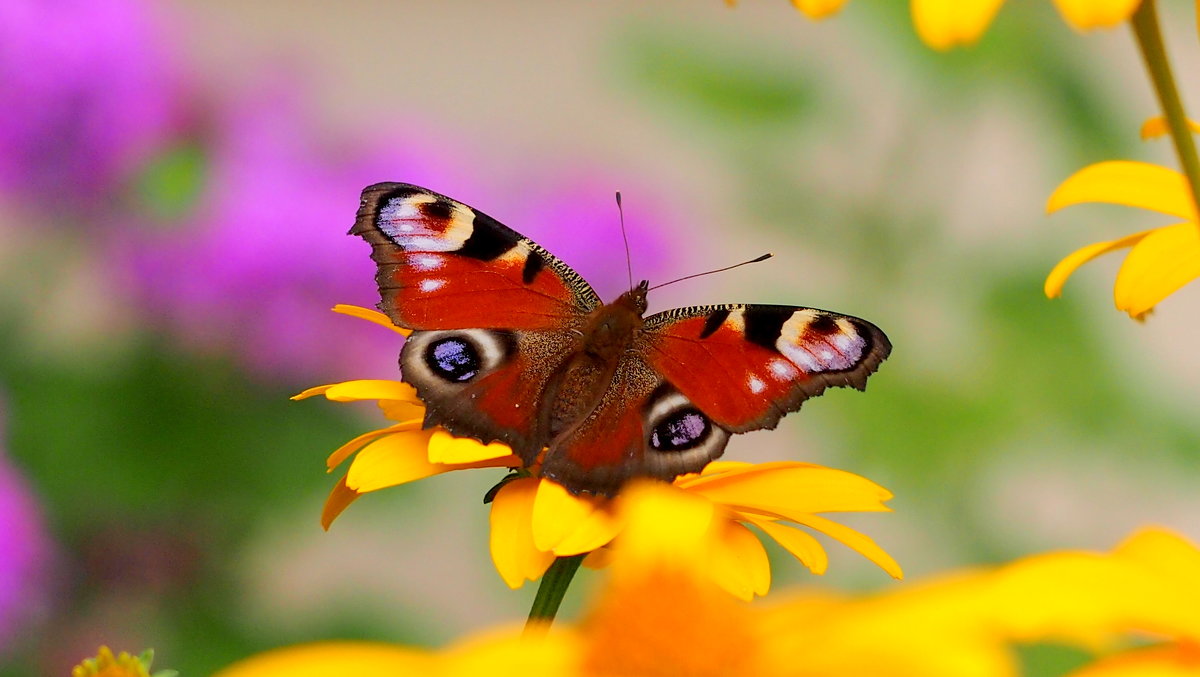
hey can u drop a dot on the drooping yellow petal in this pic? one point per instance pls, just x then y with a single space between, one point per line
1063 270
943 24
346 450
595 531
339 499
800 543
566 524
366 389
402 410
738 562
516 557
791 487
361 659
858 542
818 9
1157 267
1124 182
395 459
1156 127
370 316
445 448
1086 14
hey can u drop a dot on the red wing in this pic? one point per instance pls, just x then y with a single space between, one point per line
444 265
745 366
642 427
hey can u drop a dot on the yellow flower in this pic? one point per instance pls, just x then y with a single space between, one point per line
815 9
105 664
943 24
535 520
966 623
1161 260
660 614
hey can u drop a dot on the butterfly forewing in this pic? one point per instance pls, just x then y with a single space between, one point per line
444 265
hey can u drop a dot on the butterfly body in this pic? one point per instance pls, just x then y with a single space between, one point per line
511 345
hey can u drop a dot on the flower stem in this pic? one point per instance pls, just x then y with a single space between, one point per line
1149 40
551 591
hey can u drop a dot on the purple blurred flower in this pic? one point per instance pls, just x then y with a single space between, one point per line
24 553
87 89
266 255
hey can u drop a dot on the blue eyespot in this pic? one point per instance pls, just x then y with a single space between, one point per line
453 359
682 430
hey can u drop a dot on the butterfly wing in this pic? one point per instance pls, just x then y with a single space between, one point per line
444 265
495 314
697 375
745 366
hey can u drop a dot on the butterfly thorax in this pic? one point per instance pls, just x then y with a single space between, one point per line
610 329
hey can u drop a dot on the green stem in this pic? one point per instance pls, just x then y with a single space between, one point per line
1149 39
551 591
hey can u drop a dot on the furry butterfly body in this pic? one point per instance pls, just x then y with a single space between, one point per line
510 344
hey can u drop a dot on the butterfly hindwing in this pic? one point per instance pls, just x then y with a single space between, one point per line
745 366
642 427
444 265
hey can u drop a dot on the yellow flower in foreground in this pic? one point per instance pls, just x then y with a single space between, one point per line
965 624
1161 260
105 664
659 614
534 520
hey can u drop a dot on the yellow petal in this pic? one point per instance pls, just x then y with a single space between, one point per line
943 24
361 659
346 450
1172 660
370 316
366 389
339 499
1063 270
1172 556
558 516
1085 14
596 531
856 541
1165 260
513 551
391 460
818 9
800 543
506 652
1123 182
445 448
1156 127
788 487
661 522
738 562
402 410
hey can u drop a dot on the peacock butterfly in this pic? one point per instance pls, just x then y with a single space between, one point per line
510 344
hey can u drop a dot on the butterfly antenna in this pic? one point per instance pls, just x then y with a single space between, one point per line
764 257
624 236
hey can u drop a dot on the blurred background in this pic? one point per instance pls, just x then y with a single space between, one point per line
176 181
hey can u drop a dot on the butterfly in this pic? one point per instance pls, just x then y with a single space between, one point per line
510 344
